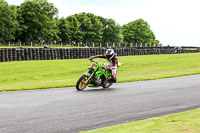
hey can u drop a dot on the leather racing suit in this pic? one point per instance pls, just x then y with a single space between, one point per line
113 65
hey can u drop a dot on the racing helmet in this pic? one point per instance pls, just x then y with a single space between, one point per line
110 54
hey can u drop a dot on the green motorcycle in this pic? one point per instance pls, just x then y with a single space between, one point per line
95 76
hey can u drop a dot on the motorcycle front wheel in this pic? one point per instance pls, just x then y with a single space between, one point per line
81 83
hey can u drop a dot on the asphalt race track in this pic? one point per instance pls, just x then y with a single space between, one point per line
65 110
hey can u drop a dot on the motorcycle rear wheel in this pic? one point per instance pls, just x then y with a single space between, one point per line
110 82
81 83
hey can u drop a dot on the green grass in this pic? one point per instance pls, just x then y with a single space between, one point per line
186 122
24 75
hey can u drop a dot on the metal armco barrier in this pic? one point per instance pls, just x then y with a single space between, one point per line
19 54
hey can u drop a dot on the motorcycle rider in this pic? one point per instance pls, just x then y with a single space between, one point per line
111 57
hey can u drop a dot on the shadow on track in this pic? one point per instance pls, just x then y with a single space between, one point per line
98 89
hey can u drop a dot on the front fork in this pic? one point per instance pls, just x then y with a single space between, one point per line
90 75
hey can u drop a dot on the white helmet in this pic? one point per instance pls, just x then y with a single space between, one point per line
110 54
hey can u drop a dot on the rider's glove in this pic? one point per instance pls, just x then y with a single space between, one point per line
90 58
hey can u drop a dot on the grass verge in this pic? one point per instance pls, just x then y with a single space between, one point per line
186 122
25 75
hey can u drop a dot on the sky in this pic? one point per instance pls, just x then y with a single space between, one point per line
174 22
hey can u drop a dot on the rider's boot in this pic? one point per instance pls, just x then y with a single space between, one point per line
114 78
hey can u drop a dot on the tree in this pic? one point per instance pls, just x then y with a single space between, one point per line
74 30
112 31
8 21
138 31
69 30
64 31
91 28
37 20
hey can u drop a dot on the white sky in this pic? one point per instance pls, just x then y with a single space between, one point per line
174 22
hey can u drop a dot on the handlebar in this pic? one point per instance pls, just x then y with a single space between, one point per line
105 68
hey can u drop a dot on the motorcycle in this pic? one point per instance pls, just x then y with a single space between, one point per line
96 76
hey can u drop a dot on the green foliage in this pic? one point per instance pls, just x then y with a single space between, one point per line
64 30
74 30
139 32
88 28
37 20
8 21
91 28
112 31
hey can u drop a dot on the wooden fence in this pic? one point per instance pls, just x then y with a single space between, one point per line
19 54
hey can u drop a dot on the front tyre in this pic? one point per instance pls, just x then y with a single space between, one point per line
81 83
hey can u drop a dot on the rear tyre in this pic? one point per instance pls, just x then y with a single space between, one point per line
107 85
81 83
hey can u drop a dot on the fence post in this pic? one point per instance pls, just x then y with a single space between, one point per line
78 45
100 45
107 44
31 44
93 44
9 43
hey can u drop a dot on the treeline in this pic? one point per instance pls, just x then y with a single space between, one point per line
36 21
